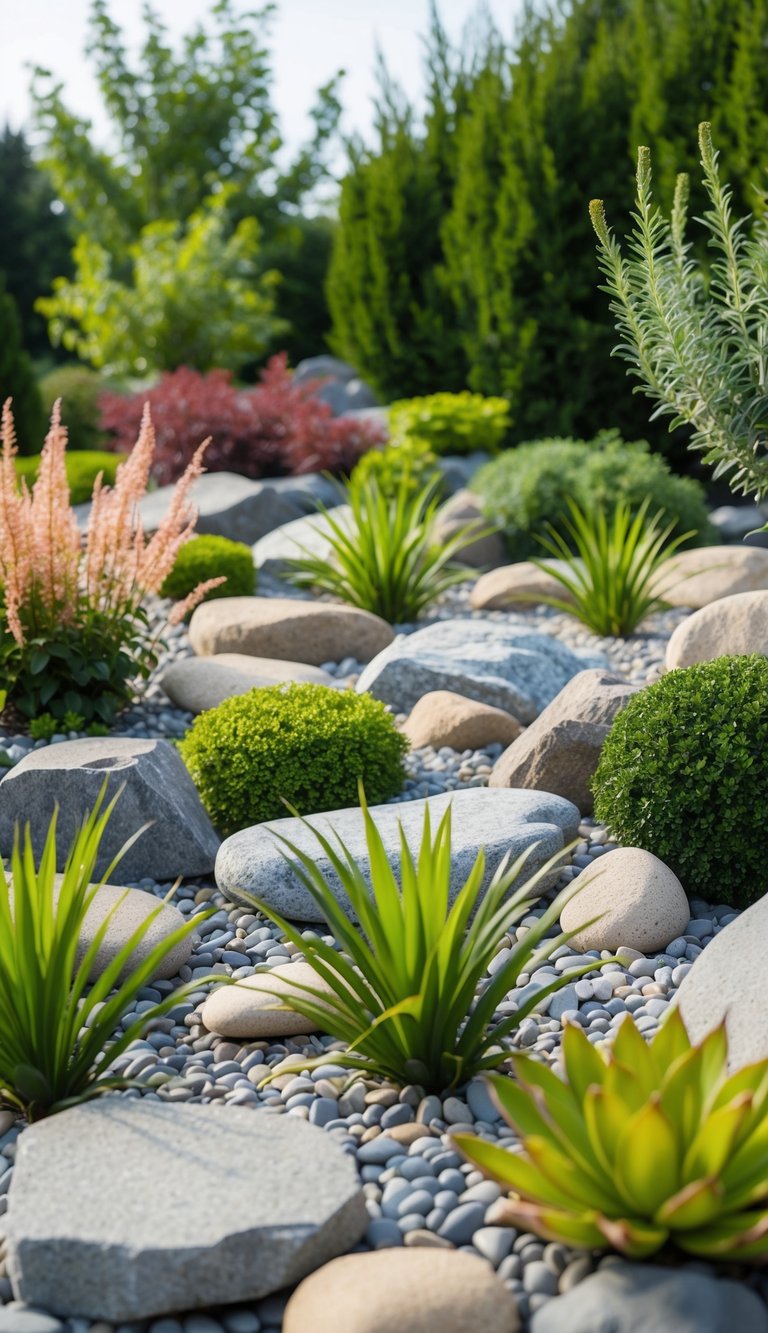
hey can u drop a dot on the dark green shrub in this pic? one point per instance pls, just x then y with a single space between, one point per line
17 379
684 774
530 486
451 423
208 557
79 389
83 468
308 744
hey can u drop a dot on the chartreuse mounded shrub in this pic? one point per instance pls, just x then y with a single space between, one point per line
306 744
641 1143
684 773
526 488
82 468
209 557
403 462
452 423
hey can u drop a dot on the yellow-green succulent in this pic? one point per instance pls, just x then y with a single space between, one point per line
640 1144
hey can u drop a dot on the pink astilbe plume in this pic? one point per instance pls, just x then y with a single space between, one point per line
15 562
55 536
182 609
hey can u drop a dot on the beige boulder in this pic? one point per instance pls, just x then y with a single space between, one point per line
198 683
696 578
517 587
731 625
402 1291
287 628
559 751
260 1006
444 718
462 509
639 901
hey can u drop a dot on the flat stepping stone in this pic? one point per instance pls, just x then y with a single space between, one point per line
122 1210
181 839
284 627
501 821
259 1006
506 666
199 683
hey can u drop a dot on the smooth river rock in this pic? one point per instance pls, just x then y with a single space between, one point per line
517 587
158 791
443 718
251 862
123 1210
506 666
729 626
464 509
259 1006
199 683
707 573
639 901
131 909
296 631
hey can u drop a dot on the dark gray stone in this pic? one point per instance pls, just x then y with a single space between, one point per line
323 367
102 1220
158 789
347 396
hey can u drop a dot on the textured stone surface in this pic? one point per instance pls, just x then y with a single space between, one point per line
516 587
122 1210
295 631
443 718
133 906
639 900
229 506
198 683
402 1291
304 536
258 1006
181 839
464 508
696 578
559 751
728 981
645 1298
499 821
737 624
505 666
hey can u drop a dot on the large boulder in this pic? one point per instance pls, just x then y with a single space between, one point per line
296 631
505 665
559 751
727 981
180 839
252 861
517 587
305 536
124 1210
707 573
737 624
199 683
462 510
443 718
228 506
633 900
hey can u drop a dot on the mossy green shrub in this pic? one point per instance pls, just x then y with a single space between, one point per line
528 487
79 389
209 557
307 744
83 467
684 774
399 459
452 423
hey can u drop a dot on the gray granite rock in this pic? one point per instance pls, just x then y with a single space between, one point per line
303 536
122 1210
229 506
158 788
198 683
503 665
645 1298
500 821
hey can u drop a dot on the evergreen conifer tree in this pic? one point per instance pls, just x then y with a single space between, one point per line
17 380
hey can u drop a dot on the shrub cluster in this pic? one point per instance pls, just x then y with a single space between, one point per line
403 461
82 468
684 774
528 487
307 744
277 428
209 557
80 389
451 423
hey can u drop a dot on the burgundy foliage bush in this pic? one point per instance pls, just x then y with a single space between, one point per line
275 429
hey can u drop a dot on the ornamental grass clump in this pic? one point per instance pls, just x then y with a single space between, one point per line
60 1033
74 633
613 581
639 1145
404 988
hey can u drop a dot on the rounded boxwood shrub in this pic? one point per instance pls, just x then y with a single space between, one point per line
528 487
209 557
79 389
82 468
308 744
684 774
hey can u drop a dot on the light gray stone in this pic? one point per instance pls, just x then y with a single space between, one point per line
323 367
304 536
228 506
505 666
107 1219
158 789
645 1298
350 396
295 631
735 522
199 683
250 862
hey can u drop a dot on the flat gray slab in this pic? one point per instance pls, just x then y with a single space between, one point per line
499 664
501 821
123 1210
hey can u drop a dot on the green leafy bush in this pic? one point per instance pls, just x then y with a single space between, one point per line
684 773
452 423
641 1144
79 389
208 557
83 467
307 744
403 989
403 461
530 486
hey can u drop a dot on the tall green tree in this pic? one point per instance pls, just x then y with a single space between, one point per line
17 379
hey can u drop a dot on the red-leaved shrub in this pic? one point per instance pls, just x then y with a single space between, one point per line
275 429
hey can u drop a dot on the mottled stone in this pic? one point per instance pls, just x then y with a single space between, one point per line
731 625
707 573
639 902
